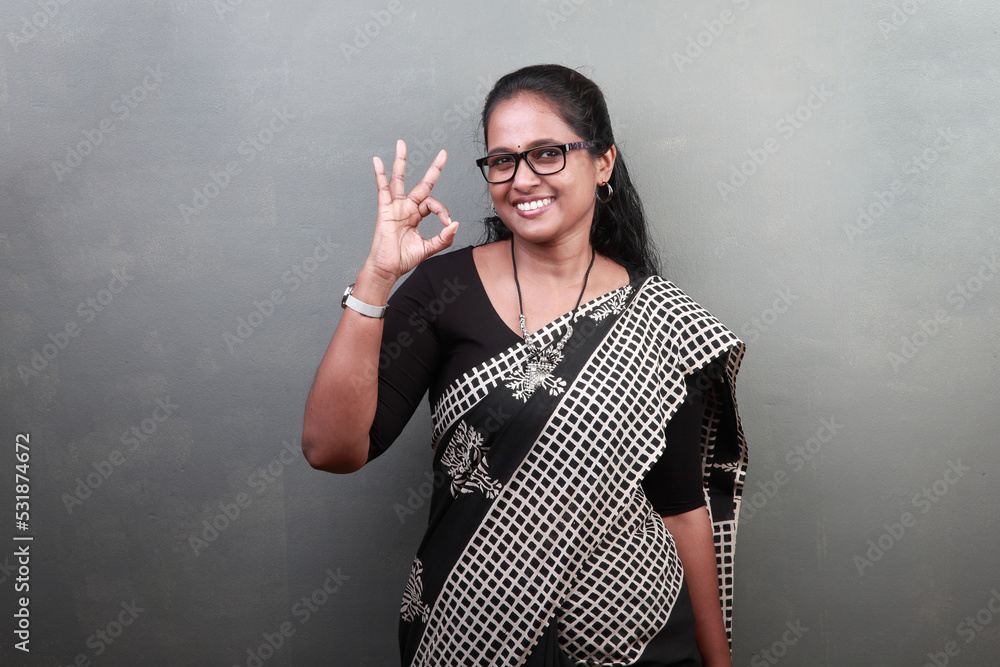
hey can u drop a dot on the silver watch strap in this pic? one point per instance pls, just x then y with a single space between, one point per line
366 309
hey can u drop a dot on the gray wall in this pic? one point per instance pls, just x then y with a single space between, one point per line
869 394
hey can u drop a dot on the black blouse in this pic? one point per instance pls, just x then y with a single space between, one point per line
441 323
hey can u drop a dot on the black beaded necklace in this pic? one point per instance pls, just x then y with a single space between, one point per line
542 360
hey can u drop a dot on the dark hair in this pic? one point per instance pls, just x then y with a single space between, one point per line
619 227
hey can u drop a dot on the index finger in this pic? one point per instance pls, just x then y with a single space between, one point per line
384 196
422 189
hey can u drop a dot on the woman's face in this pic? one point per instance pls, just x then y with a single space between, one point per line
567 198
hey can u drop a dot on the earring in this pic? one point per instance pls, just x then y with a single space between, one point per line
611 191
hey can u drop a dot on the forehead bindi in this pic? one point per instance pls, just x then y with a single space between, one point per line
524 121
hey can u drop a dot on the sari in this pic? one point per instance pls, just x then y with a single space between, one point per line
539 530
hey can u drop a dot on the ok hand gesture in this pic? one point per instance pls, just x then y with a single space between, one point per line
398 246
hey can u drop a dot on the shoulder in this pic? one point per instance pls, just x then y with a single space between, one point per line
661 294
696 335
450 272
459 259
674 304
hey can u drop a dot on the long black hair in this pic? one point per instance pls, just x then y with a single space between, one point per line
619 227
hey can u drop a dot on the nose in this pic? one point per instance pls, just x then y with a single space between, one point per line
524 176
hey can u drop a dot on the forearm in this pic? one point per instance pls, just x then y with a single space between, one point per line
692 532
341 405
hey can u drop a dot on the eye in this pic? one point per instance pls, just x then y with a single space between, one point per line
500 161
546 156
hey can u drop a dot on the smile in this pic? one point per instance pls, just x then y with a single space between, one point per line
532 205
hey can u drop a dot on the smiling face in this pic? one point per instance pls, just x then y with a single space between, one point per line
543 209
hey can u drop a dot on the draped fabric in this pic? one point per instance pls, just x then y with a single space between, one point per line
540 531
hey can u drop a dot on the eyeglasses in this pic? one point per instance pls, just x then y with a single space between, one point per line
543 160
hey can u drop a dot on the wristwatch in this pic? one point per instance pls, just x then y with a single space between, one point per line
366 309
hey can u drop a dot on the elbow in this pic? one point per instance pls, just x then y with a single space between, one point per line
328 456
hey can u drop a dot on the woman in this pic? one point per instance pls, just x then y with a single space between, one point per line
576 397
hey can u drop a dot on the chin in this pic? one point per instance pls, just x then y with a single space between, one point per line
536 231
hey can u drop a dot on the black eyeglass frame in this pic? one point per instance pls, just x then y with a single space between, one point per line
523 155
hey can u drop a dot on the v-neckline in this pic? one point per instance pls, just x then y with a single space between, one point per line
633 277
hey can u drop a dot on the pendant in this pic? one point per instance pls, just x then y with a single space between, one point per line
540 365
536 372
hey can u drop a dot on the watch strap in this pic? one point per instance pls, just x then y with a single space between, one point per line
366 309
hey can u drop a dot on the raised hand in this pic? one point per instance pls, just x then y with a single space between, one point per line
398 246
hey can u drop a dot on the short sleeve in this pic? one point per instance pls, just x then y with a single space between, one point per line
409 357
674 484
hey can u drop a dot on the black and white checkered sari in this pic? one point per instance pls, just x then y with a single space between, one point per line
539 516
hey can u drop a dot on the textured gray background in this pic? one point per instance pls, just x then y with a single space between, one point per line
833 303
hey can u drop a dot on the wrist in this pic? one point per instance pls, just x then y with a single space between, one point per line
377 274
373 286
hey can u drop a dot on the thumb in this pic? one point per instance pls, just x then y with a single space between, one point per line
443 240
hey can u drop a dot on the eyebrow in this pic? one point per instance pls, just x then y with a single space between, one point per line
533 144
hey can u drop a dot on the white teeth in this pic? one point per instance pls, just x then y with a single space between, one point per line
532 205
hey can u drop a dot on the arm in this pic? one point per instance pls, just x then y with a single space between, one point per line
692 532
341 405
